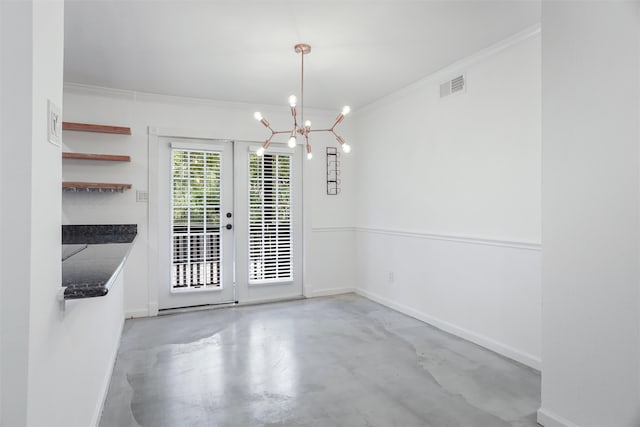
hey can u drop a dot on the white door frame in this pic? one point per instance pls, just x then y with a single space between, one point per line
155 134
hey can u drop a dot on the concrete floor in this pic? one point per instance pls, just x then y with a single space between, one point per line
337 361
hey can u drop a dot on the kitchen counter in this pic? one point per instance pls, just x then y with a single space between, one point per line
93 256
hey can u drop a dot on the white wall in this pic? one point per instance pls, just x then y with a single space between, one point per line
591 306
467 164
55 365
225 121
330 260
449 200
16 29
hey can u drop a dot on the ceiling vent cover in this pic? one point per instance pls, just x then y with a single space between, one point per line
455 85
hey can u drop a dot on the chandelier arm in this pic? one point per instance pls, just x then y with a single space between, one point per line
309 154
265 123
265 144
321 130
294 114
339 120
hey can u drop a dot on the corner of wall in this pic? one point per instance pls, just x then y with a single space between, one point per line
549 419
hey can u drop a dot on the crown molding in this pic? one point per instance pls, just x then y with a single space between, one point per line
446 72
130 95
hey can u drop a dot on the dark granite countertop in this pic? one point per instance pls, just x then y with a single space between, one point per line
92 256
98 234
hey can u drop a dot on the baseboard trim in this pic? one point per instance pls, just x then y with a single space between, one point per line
136 313
330 292
481 340
153 309
107 381
549 419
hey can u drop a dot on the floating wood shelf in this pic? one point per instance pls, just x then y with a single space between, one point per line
88 156
86 127
94 186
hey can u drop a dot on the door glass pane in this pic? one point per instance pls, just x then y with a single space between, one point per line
270 228
195 219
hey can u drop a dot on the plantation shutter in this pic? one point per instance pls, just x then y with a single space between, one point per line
270 228
195 219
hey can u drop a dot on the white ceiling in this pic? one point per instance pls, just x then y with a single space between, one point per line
242 50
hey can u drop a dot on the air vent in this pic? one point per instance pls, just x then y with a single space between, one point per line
455 85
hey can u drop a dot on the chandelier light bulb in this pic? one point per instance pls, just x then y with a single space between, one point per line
260 151
309 156
346 110
307 123
293 100
292 142
346 148
257 115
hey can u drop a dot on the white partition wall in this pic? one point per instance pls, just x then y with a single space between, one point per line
16 29
590 215
55 365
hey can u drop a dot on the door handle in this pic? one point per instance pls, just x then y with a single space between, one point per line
229 226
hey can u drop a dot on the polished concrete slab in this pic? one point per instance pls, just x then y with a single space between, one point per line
335 361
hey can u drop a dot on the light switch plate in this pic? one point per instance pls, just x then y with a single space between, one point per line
142 196
54 123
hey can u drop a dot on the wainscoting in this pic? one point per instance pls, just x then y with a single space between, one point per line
486 291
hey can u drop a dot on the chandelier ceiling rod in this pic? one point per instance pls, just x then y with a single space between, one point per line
303 49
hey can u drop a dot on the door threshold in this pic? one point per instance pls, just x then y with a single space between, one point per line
270 301
177 310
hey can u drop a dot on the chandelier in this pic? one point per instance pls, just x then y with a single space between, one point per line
305 129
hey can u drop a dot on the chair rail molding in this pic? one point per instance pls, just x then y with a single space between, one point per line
476 240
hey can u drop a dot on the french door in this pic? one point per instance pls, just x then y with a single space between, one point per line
195 248
229 223
269 209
